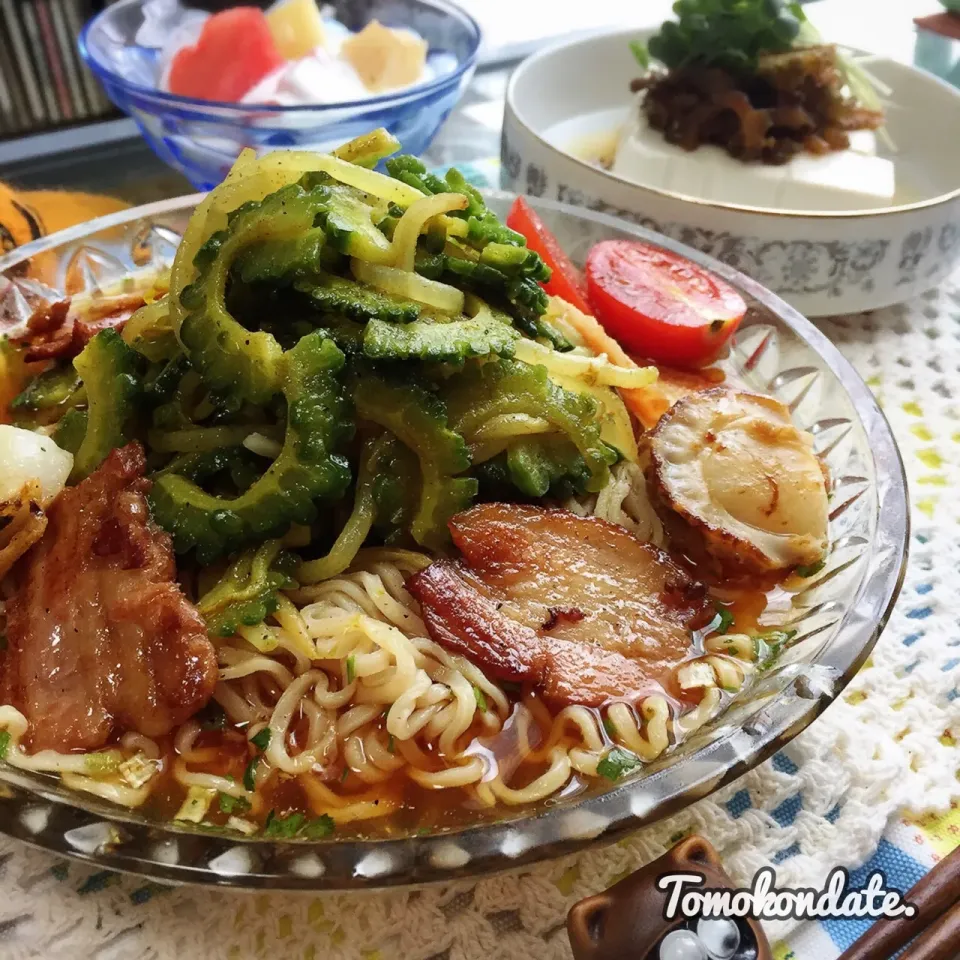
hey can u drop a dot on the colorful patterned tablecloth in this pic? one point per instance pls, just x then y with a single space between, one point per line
874 784
871 785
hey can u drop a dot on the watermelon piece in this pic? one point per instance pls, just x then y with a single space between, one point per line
234 52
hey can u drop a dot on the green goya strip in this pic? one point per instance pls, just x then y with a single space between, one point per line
110 373
308 467
50 390
248 592
70 430
283 260
360 522
245 363
348 223
347 298
539 465
368 149
442 342
419 420
520 293
396 491
483 225
511 386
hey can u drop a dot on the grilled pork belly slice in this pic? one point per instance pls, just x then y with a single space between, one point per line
100 637
576 606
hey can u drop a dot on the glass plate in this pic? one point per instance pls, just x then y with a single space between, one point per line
838 616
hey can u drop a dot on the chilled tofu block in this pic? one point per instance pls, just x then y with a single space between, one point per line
297 28
385 58
851 179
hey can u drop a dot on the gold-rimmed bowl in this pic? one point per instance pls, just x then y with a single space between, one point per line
564 100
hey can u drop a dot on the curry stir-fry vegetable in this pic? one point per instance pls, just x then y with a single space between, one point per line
343 357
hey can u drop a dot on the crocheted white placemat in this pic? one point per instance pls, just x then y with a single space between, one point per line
888 746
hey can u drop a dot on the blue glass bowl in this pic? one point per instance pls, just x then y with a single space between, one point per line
202 138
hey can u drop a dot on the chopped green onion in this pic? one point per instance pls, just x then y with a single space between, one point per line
262 740
616 763
319 827
723 620
231 804
390 744
351 668
4 743
770 645
283 827
481 699
811 570
609 728
250 774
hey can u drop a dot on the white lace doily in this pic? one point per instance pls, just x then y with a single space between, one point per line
885 746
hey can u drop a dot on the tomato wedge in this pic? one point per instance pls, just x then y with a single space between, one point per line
661 305
566 280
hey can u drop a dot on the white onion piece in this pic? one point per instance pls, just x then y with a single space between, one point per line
407 283
25 456
369 181
415 219
591 370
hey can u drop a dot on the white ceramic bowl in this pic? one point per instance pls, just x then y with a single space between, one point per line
820 262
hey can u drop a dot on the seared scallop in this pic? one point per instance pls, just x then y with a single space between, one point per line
737 482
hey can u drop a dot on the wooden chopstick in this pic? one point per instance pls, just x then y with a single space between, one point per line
934 895
940 941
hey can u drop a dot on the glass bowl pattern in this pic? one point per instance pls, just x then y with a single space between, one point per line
838 617
202 138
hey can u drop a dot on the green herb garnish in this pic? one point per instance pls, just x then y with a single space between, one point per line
608 727
230 804
481 699
262 740
4 743
283 827
390 744
250 774
812 570
351 668
640 54
726 33
723 620
296 824
319 827
616 763
770 645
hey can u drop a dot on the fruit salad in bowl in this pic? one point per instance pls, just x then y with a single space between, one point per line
204 84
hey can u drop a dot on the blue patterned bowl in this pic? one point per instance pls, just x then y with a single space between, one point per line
202 138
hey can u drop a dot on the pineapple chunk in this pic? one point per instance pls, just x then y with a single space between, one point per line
385 58
296 27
